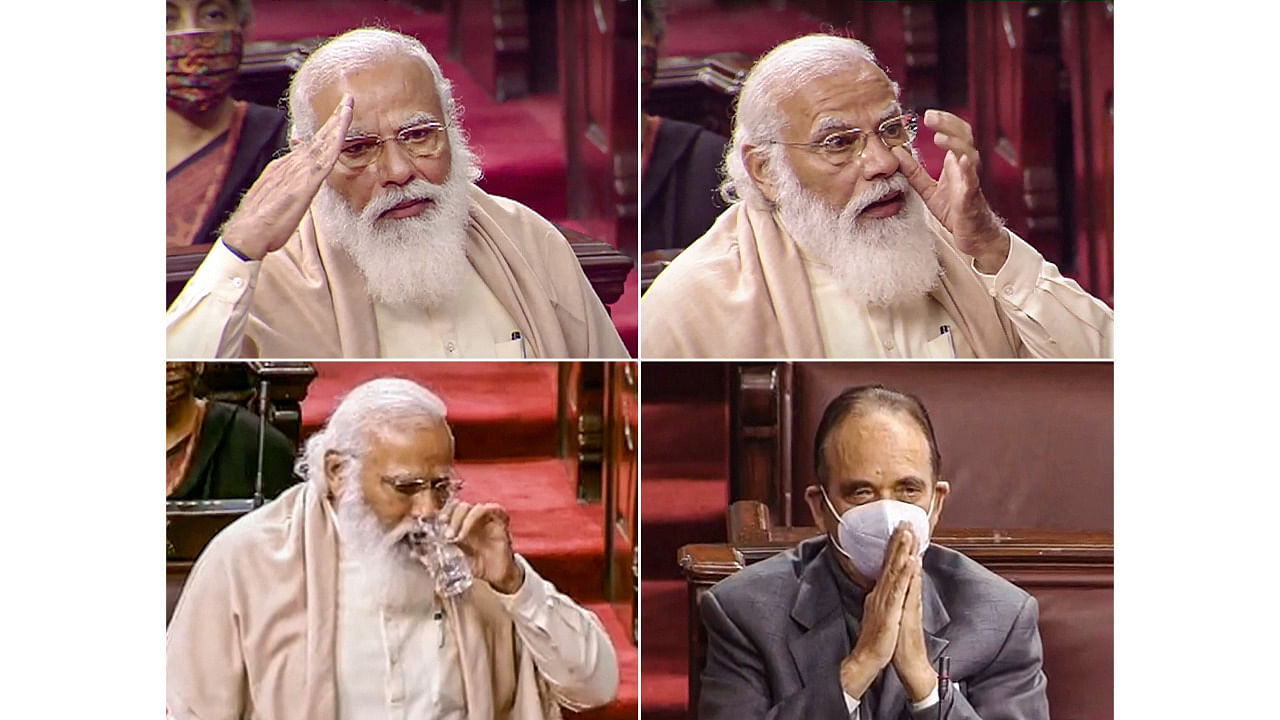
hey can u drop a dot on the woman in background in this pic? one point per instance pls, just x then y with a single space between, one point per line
215 146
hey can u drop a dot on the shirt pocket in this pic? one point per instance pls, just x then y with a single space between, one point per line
509 349
940 347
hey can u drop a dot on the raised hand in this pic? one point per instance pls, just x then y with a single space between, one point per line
956 198
483 532
274 205
882 613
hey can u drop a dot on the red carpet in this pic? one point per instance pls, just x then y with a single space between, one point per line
504 418
684 495
518 422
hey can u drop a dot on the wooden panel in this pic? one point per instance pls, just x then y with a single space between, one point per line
266 68
490 38
759 399
1041 457
699 90
599 77
1087 49
621 492
1014 76
589 430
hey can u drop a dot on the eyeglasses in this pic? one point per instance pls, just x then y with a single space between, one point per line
424 140
841 147
442 486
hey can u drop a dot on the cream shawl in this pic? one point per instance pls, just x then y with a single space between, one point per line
253 633
741 291
311 302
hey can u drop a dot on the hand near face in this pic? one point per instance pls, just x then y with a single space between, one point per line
483 533
955 198
272 208
882 615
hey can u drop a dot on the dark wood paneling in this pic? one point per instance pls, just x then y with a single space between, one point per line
621 491
490 38
598 77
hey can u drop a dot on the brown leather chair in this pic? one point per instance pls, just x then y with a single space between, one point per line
1024 445
1071 575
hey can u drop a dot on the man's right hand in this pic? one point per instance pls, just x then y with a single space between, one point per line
275 204
881 616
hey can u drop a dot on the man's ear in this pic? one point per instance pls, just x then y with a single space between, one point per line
813 496
756 160
941 489
334 462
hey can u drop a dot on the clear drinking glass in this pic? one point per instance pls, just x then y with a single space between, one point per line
444 559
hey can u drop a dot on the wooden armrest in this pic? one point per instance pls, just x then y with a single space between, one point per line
605 267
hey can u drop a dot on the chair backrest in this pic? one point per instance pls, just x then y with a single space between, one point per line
1024 445
1071 575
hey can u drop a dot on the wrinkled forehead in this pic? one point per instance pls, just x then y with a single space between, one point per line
857 95
388 93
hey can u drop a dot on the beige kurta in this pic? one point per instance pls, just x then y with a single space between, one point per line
741 291
308 300
272 576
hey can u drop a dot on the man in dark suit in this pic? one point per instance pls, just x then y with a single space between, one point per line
854 623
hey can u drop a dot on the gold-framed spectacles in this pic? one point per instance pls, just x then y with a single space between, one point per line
842 146
421 140
442 486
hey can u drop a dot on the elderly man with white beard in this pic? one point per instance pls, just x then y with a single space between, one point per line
314 606
370 238
840 244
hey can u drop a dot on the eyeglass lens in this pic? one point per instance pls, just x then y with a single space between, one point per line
419 141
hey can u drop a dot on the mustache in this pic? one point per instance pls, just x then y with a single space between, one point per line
877 191
416 190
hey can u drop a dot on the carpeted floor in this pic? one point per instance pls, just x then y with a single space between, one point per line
504 419
684 494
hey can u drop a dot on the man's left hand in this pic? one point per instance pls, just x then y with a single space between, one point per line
955 198
483 532
910 658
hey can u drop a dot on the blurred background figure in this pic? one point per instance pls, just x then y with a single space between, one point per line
215 145
212 447
680 161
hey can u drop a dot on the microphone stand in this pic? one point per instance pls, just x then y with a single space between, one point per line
262 441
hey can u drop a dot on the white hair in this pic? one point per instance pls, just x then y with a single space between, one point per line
759 117
362 48
349 429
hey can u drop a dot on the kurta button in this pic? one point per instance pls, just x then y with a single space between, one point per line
237 282
1008 289
992 291
449 346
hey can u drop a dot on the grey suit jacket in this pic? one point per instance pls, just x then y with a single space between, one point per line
776 636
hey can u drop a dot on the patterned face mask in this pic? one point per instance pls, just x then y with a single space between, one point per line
200 67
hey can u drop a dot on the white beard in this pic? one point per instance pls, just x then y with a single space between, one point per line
382 554
875 261
413 262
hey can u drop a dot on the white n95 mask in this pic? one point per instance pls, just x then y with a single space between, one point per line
865 531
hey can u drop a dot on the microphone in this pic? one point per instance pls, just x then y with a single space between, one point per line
262 441
944 683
